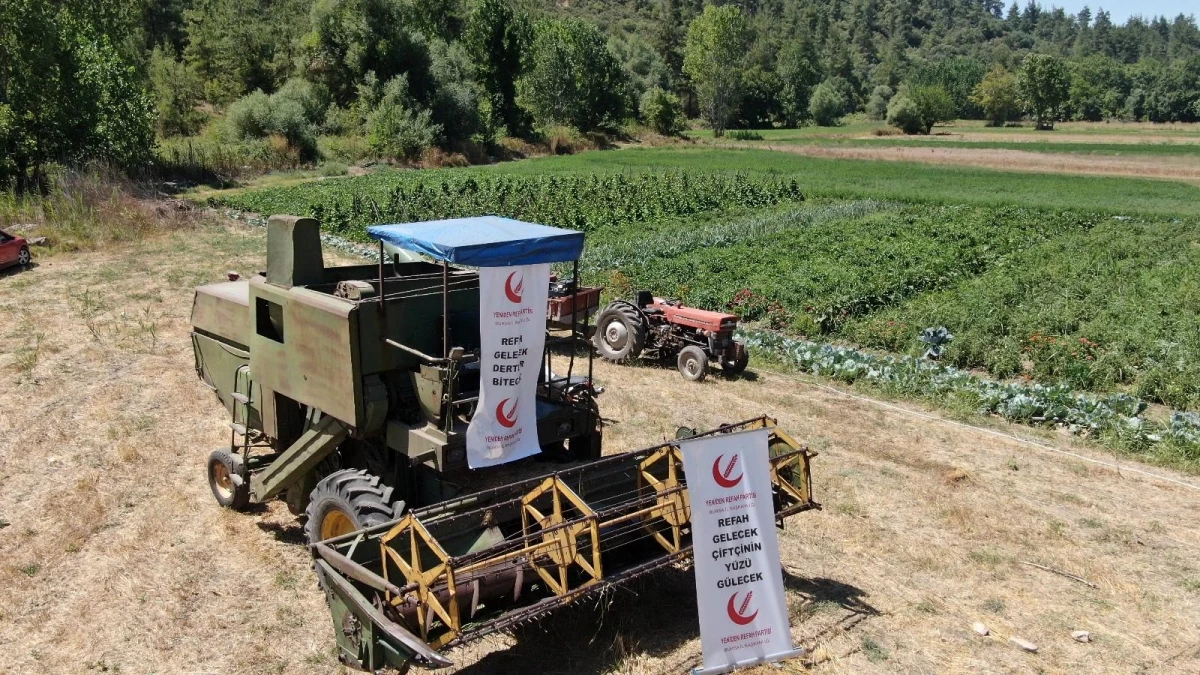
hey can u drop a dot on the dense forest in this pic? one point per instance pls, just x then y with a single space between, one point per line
110 79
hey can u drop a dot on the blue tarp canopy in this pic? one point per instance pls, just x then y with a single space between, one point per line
486 241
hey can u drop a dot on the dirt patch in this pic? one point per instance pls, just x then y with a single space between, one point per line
115 555
950 134
1175 168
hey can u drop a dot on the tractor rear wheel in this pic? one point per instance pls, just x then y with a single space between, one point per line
620 332
736 366
692 363
345 501
226 481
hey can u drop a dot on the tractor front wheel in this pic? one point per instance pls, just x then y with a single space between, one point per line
346 501
692 363
226 480
739 364
620 332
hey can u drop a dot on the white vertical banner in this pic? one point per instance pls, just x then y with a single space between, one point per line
739 579
512 334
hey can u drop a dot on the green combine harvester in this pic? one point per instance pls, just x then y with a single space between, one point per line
349 391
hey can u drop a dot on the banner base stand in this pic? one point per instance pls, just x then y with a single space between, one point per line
729 667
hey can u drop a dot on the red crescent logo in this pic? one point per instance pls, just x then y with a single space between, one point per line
514 291
722 477
738 614
506 420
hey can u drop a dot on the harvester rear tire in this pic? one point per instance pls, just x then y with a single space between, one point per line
620 332
692 363
345 501
225 480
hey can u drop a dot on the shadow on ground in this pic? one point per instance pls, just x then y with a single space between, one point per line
288 533
14 270
822 590
655 615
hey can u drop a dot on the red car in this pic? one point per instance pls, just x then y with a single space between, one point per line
13 250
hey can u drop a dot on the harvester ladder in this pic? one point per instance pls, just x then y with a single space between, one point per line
241 401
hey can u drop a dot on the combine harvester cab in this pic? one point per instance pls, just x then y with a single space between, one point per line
406 592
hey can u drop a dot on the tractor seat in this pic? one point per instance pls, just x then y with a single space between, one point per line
558 384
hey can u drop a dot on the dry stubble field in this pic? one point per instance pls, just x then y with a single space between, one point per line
114 556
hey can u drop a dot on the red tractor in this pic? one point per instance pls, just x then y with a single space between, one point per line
668 329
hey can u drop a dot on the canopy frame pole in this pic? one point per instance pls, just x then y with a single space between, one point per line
445 309
383 323
448 399
574 321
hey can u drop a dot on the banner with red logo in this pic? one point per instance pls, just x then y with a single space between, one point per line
739 580
512 333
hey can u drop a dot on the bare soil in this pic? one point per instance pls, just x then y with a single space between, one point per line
114 555
1131 136
1174 168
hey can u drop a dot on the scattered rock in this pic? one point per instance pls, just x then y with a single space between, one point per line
1023 643
1081 636
37 241
980 628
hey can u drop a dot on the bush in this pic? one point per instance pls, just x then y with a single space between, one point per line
396 128
745 135
257 115
250 116
827 104
331 169
878 104
902 113
312 99
915 110
662 112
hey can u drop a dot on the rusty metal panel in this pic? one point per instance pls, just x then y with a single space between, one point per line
224 310
311 355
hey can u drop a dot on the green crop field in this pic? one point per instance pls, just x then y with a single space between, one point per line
1091 283
901 181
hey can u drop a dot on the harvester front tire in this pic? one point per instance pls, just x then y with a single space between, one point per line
225 480
345 501
620 332
692 363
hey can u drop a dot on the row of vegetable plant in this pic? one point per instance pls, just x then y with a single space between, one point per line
1115 306
583 202
1117 418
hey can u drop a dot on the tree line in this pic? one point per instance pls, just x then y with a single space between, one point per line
101 79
